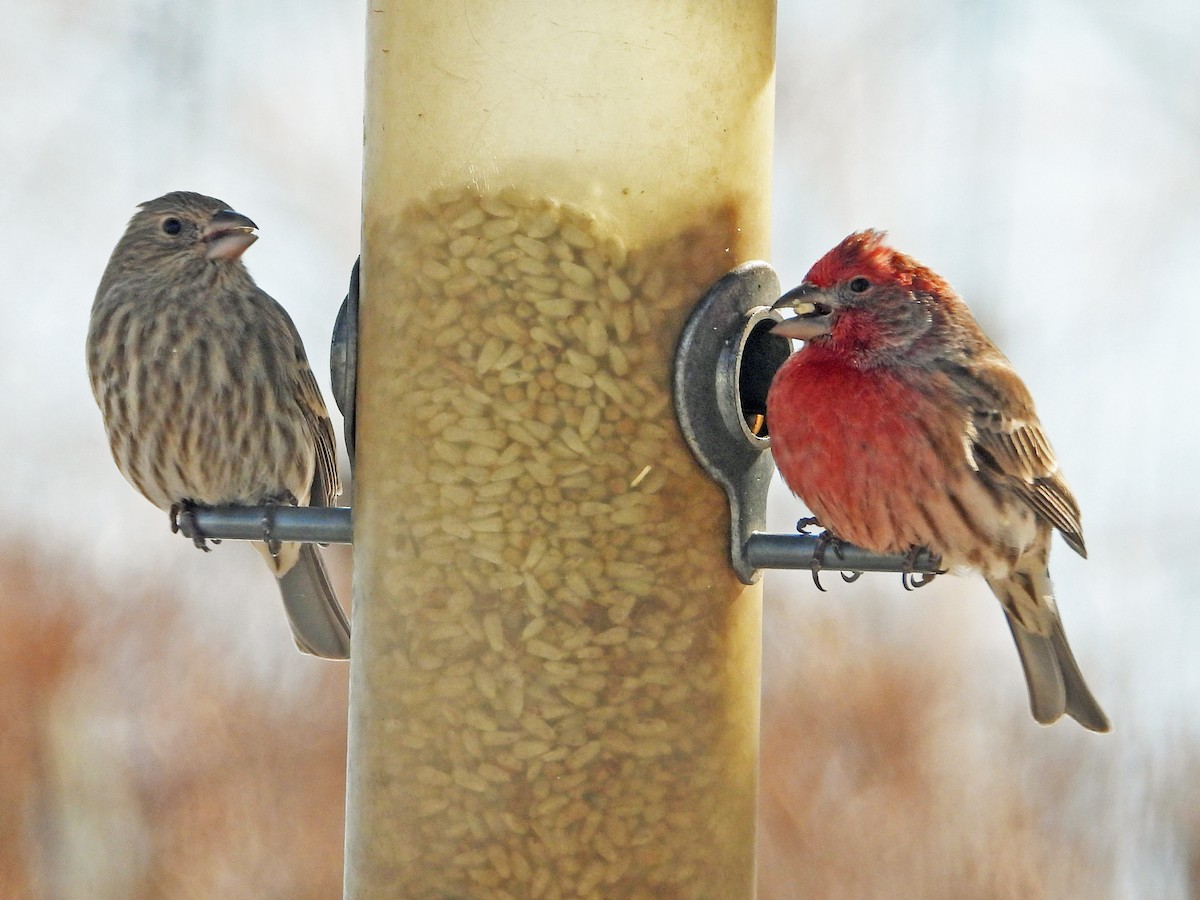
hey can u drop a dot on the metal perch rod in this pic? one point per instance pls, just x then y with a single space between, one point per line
304 524
332 525
797 551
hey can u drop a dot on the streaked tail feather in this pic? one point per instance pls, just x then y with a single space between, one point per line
319 625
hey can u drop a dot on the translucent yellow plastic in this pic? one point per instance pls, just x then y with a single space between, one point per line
555 675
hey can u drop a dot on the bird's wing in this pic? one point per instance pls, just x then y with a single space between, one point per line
325 485
1009 446
325 477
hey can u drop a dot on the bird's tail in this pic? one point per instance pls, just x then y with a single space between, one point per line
318 623
1056 685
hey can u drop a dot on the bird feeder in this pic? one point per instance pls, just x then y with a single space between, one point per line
555 673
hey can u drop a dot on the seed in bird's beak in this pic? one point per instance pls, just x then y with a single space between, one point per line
811 309
812 317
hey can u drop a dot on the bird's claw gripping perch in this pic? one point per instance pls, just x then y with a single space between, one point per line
824 541
913 580
274 547
268 527
818 556
183 521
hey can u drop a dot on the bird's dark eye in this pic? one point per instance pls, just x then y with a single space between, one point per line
860 284
172 226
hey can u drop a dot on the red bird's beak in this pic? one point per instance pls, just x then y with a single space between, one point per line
228 234
813 313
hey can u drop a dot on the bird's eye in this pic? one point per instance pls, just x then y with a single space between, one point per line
860 284
172 226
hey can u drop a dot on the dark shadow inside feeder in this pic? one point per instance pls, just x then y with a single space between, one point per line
762 355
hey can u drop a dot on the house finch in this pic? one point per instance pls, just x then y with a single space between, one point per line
901 425
207 395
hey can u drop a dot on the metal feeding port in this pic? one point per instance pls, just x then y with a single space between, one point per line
724 364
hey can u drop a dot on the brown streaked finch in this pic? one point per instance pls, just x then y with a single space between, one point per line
206 392
901 425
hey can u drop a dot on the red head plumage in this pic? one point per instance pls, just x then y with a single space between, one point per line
866 253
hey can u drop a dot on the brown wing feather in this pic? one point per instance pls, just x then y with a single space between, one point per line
325 484
1010 446
325 477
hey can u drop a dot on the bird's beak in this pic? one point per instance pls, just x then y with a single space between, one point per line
228 234
813 313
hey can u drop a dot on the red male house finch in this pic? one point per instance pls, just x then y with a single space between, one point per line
207 395
901 425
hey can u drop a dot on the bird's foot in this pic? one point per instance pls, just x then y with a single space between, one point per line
183 521
287 498
825 541
913 580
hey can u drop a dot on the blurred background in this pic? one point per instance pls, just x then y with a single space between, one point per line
160 737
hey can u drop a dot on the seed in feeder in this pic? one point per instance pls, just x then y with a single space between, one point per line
577 274
542 487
